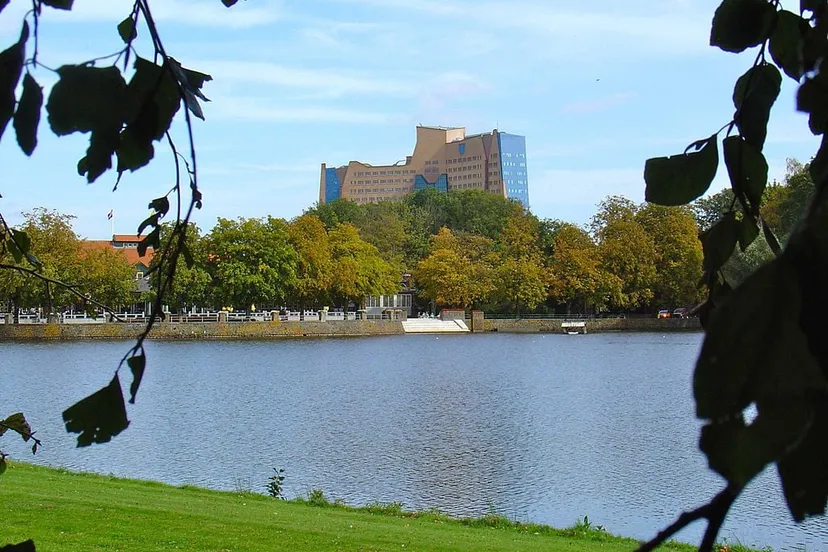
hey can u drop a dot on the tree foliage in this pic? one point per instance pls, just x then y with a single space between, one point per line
314 270
575 274
459 270
251 261
764 340
626 251
358 270
678 253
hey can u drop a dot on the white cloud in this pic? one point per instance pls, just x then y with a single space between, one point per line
208 13
333 83
575 31
256 110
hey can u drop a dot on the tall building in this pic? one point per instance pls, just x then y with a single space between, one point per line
443 158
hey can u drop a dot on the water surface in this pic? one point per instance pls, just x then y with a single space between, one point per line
543 428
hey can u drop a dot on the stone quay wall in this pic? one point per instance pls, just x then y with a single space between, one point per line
202 330
595 325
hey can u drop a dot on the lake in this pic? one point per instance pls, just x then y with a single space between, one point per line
543 428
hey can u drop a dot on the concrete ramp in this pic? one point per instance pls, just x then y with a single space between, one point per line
434 325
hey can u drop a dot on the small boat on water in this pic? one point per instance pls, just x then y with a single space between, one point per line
574 327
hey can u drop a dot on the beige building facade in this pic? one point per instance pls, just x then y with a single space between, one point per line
446 159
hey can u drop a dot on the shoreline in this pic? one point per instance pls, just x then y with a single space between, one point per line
350 328
105 510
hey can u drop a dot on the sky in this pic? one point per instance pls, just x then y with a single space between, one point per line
596 87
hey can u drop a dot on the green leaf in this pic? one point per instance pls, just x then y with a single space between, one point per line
11 65
90 99
152 240
152 220
813 49
16 422
754 349
160 205
27 116
134 150
27 546
60 4
818 167
191 82
804 472
99 417
22 240
786 43
98 157
741 24
153 99
748 232
773 243
754 95
747 168
806 254
136 364
809 5
12 248
738 452
3 4
680 179
812 98
127 31
229 3
719 241
86 99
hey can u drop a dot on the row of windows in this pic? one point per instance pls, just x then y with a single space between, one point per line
464 159
400 301
384 181
384 173
465 168
466 185
513 164
380 190
465 177
516 191
517 155
372 199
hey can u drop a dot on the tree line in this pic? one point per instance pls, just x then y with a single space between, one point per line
466 249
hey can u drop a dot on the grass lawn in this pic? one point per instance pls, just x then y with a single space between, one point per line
65 511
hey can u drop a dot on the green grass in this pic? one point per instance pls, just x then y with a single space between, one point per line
64 511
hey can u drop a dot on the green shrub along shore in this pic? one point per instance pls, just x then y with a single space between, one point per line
66 511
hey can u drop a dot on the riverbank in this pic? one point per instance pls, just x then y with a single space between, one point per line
349 328
65 511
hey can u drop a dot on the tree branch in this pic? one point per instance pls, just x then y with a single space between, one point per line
714 512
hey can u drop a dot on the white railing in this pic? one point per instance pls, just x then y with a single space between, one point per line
141 317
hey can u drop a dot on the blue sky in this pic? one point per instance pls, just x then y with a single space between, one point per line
596 87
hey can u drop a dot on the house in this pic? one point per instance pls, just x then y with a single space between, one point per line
127 244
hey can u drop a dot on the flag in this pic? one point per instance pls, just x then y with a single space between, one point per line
110 214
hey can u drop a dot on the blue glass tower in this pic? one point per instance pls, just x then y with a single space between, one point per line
332 189
513 166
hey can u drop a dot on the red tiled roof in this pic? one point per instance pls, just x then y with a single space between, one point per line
126 238
131 253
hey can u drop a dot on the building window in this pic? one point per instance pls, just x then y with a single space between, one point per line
461 149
